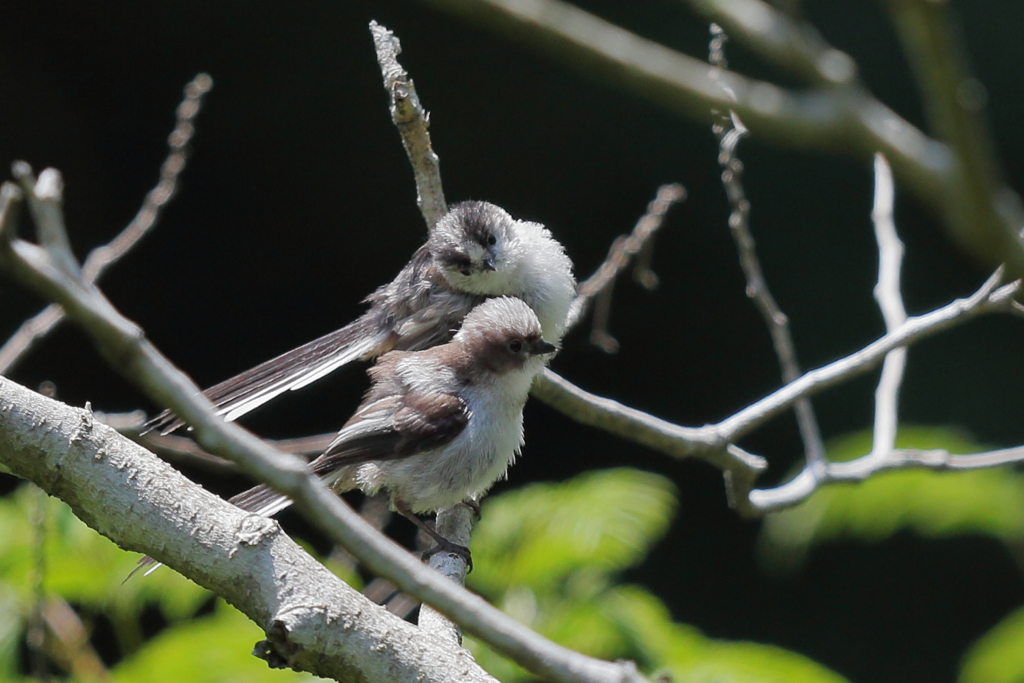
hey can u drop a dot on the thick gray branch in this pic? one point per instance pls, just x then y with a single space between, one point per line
314 621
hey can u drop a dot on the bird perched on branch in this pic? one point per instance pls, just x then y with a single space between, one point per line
437 427
476 251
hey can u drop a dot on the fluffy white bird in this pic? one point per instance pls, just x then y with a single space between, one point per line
438 426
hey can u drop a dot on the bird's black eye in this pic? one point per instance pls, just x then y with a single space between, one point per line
515 346
466 271
491 240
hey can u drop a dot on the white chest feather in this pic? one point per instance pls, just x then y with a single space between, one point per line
466 467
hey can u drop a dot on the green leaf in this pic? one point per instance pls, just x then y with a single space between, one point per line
539 535
929 503
547 555
82 567
692 657
998 656
213 649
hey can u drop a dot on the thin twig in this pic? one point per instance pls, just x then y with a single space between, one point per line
729 130
707 443
412 122
989 298
37 327
46 195
636 244
803 485
890 301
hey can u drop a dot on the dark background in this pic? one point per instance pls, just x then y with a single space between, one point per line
298 201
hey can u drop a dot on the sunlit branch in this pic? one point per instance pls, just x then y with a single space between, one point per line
412 121
729 130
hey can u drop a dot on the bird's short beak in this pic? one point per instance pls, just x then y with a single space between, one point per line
542 347
487 264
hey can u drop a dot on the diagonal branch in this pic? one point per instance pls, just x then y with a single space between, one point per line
989 298
37 327
412 122
730 130
840 117
314 621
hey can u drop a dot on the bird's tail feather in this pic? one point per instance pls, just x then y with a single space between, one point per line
361 339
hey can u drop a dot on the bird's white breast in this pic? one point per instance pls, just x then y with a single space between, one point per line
467 466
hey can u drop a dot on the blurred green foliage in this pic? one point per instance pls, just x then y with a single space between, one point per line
999 656
928 503
548 554
86 572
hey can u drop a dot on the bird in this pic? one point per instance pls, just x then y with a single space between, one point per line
437 427
474 252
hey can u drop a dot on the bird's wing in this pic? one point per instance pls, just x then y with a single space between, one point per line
396 427
416 310
393 422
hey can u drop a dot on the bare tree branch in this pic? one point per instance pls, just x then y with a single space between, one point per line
715 443
890 301
314 621
730 130
840 116
989 298
803 485
37 327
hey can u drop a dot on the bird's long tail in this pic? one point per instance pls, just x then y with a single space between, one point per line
361 339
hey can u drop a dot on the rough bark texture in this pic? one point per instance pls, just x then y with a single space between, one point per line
314 621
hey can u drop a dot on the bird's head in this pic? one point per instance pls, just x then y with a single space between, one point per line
505 335
476 247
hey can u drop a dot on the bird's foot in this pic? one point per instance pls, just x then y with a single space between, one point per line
446 546
474 507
